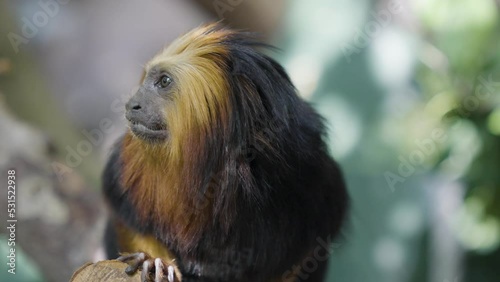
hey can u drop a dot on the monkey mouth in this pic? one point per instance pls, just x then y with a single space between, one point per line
148 132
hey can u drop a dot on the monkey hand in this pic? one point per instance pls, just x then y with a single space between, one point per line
153 269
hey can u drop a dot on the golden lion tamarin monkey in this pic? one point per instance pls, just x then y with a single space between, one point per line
224 174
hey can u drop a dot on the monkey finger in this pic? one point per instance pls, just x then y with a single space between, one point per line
171 274
159 274
147 267
134 261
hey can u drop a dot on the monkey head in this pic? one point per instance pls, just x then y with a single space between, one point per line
183 90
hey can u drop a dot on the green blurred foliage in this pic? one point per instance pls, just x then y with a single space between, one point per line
467 35
439 73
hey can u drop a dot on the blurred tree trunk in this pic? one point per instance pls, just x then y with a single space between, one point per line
59 214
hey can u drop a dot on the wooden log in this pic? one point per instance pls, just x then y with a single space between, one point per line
108 270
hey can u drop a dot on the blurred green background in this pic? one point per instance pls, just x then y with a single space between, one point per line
410 90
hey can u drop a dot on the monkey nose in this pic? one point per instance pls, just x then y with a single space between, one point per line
132 106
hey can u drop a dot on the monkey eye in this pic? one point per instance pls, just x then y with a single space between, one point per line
164 81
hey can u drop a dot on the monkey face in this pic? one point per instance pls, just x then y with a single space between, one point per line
144 111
